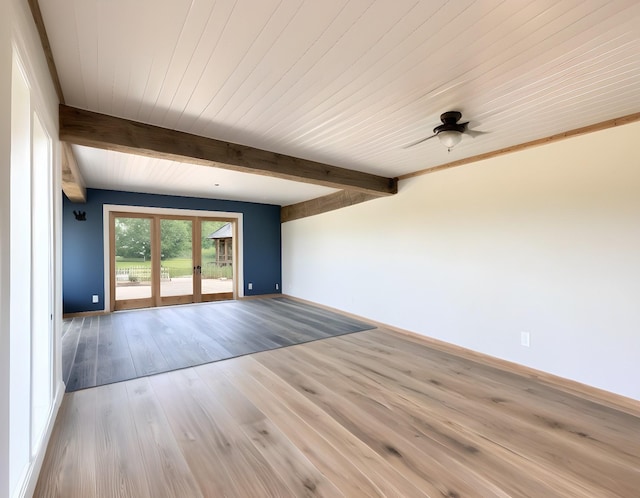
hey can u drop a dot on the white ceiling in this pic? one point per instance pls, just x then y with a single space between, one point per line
345 82
115 170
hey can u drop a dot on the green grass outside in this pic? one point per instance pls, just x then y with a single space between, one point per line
183 267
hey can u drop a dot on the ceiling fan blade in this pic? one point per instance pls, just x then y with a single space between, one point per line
475 133
419 141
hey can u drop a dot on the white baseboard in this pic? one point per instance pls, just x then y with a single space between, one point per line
33 472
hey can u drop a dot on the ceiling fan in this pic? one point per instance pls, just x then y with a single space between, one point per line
450 131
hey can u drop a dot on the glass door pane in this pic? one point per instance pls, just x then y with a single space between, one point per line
158 260
217 249
176 260
132 260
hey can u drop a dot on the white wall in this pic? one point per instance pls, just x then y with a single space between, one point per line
5 200
20 277
545 240
20 453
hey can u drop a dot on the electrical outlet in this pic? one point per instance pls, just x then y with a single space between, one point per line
250 286
95 298
525 339
277 286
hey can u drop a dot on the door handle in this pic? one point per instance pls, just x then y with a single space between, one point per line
197 269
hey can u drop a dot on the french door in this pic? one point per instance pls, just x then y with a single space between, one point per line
159 260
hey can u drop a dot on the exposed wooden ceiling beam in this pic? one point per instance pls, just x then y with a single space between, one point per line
323 204
72 182
48 53
107 132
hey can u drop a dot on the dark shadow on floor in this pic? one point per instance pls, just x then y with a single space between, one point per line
125 345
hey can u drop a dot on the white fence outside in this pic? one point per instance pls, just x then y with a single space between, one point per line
139 274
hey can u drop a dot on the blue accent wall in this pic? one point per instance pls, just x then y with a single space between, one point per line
83 245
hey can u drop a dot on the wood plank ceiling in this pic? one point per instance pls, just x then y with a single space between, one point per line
343 82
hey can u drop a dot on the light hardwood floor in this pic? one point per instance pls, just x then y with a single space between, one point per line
373 413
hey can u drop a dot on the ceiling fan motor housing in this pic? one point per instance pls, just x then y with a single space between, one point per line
450 122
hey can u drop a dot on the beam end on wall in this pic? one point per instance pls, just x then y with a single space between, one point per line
72 183
324 204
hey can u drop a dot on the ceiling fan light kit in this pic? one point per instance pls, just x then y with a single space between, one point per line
449 138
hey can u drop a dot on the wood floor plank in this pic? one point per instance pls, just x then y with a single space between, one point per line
199 324
146 355
205 348
398 447
70 346
114 361
118 455
275 331
289 462
239 334
223 461
200 441
84 368
159 451
66 325
316 321
355 468
321 314
69 468
177 348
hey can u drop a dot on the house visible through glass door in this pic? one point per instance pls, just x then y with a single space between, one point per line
217 255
